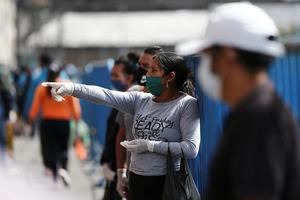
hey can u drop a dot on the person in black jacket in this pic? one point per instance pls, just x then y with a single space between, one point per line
123 77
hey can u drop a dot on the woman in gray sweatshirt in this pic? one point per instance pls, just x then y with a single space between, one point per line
164 117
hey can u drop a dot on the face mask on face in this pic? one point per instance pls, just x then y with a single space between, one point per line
118 85
209 82
154 85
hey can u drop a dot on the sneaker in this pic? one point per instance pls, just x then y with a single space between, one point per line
65 177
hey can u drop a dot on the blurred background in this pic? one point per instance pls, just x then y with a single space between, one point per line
85 36
79 31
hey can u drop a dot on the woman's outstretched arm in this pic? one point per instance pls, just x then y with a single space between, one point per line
123 101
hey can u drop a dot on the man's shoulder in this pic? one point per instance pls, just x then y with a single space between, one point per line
264 120
263 105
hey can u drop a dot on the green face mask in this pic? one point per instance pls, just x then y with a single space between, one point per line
154 85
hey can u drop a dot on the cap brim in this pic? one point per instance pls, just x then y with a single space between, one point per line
192 47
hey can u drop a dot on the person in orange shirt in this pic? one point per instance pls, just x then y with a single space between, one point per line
54 126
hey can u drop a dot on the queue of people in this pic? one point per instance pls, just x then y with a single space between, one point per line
258 155
125 121
154 113
165 117
123 76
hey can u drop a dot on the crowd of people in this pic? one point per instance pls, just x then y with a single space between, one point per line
155 112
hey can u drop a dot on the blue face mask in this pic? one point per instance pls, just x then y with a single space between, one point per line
154 85
118 85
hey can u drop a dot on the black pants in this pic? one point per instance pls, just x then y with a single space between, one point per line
54 143
145 187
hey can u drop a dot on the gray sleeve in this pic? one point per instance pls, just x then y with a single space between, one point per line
190 129
123 101
120 119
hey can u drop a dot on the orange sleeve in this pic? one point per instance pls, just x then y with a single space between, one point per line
75 108
36 104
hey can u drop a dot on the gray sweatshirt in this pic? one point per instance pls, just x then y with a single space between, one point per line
176 121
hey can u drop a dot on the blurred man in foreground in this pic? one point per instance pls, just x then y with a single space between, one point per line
258 157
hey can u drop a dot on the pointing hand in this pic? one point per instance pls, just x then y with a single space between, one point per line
60 89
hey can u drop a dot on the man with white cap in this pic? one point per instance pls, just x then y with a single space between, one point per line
258 157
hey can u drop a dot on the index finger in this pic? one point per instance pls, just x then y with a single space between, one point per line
50 84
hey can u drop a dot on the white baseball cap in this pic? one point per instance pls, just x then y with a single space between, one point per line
244 26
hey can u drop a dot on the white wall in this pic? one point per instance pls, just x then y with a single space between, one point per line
8 33
115 29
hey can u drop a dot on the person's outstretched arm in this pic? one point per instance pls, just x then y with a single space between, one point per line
123 101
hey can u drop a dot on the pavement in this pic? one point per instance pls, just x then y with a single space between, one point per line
22 177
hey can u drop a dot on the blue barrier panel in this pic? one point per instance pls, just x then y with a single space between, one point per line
96 115
285 73
211 118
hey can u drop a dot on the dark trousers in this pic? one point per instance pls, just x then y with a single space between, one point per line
145 187
54 143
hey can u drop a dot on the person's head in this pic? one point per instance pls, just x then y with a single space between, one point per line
53 73
240 41
123 73
45 60
167 72
145 61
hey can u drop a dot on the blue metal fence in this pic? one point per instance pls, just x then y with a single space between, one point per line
285 73
96 115
211 118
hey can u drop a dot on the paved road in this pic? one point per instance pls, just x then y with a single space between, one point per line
23 177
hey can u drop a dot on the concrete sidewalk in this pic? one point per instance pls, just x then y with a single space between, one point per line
24 178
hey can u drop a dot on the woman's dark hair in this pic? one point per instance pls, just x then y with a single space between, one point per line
53 73
172 62
153 50
129 62
253 61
